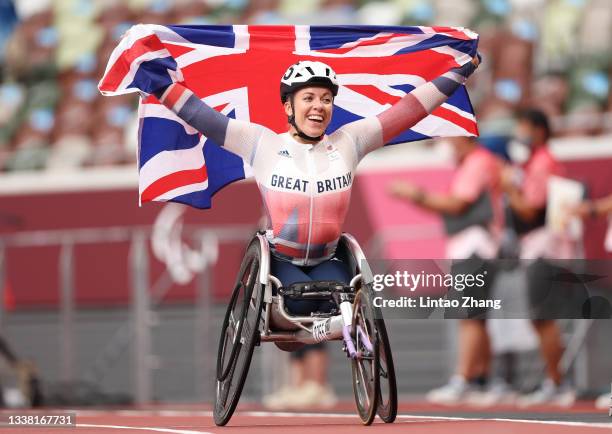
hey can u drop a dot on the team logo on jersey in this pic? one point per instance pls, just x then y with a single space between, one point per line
284 153
332 153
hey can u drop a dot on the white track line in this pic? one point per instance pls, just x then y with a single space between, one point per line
191 413
430 418
497 419
143 428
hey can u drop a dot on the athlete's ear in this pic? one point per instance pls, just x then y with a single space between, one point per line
288 109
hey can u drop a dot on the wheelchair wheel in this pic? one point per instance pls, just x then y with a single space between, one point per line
239 334
387 391
365 367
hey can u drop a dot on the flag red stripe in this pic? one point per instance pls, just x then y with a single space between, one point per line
457 119
376 41
374 93
172 181
121 67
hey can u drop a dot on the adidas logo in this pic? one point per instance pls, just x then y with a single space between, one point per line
284 153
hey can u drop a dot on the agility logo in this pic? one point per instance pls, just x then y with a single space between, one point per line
284 153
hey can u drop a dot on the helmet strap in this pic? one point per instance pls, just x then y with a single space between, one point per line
300 133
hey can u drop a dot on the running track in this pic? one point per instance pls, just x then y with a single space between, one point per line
412 417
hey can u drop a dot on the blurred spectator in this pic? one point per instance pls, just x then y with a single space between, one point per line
110 121
192 12
549 94
473 219
157 12
526 195
30 54
592 209
262 12
31 143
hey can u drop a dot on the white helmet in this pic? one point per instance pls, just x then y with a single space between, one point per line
307 73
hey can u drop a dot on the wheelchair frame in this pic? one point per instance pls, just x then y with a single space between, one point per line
358 324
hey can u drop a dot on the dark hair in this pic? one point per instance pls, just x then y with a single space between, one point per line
536 118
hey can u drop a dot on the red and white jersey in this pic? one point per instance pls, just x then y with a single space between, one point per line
305 188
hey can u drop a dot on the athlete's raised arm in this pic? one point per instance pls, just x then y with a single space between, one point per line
416 105
408 111
237 136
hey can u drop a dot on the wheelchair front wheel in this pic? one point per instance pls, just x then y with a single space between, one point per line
365 366
239 334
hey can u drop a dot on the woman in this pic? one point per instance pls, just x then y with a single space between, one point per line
305 179
304 175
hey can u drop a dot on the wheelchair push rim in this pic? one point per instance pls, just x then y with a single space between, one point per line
232 322
365 366
236 347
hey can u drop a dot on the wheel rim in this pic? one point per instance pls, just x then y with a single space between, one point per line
232 324
387 396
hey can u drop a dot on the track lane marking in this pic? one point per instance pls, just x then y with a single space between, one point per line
142 428
431 418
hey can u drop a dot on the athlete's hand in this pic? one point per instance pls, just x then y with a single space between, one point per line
468 69
151 76
476 60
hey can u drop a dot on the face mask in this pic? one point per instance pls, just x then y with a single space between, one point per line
120 29
86 63
518 151
160 6
47 37
83 8
524 139
11 95
85 90
118 116
508 90
42 120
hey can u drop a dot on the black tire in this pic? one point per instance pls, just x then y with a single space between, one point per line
365 368
234 355
387 391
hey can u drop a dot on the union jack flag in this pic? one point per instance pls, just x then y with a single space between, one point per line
237 70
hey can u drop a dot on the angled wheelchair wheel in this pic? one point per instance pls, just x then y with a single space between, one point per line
387 391
239 335
365 367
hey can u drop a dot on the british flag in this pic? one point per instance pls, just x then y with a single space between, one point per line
237 70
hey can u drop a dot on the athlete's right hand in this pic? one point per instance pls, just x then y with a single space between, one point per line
476 60
151 76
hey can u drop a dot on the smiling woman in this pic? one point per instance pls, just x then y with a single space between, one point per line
304 175
307 92
311 108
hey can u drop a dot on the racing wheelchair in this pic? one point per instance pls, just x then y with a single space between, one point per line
256 314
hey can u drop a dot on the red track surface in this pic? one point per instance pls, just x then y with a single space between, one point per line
418 418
